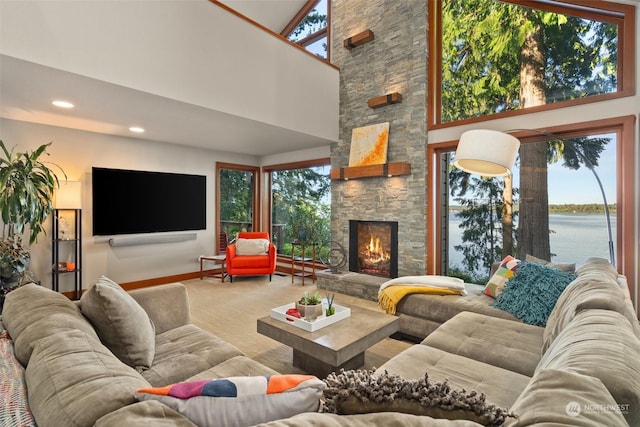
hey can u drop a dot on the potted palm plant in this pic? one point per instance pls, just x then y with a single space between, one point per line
26 199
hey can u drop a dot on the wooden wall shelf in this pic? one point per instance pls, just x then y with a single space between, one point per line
385 170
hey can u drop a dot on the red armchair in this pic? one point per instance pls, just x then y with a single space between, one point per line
249 257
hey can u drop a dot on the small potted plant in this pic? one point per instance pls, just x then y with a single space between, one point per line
310 306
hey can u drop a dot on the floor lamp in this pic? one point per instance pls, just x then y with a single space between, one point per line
493 153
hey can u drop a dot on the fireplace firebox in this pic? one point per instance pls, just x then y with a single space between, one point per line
373 248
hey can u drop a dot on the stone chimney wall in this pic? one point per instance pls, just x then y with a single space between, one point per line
395 61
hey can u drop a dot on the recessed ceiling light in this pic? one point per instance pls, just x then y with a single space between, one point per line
62 104
136 129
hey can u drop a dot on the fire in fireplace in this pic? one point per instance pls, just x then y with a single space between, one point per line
373 247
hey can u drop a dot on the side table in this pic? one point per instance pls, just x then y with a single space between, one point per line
218 259
304 274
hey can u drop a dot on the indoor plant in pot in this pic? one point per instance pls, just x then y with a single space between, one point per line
26 199
310 306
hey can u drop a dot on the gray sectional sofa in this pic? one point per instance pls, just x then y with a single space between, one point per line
581 369
587 355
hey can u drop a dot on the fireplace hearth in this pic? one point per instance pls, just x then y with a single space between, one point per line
373 248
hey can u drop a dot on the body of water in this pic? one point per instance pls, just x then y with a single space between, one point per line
574 237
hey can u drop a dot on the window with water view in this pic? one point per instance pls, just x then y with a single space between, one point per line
573 225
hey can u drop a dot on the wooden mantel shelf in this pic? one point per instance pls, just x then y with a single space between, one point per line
385 170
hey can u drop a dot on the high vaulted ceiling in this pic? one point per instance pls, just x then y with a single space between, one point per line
104 106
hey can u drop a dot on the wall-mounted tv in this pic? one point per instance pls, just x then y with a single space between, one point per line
132 201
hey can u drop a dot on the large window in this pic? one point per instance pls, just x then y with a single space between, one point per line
502 57
310 28
564 221
237 201
301 206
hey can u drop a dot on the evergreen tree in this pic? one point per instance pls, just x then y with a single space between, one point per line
499 56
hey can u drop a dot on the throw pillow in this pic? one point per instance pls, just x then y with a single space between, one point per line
498 280
13 390
361 392
532 292
252 246
239 401
121 323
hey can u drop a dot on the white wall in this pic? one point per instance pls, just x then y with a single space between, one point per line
153 46
76 152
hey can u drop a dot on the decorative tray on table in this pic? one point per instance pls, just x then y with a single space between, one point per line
280 313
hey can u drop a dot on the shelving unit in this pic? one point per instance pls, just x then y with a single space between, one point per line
66 251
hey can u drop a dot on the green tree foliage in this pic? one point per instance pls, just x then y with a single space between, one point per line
481 223
311 23
236 201
482 44
300 201
498 56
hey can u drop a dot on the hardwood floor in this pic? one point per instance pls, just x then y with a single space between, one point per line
230 310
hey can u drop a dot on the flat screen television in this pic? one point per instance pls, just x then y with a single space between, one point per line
132 201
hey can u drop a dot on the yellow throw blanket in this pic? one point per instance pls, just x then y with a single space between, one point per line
392 291
392 295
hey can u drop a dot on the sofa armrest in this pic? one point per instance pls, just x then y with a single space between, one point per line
166 305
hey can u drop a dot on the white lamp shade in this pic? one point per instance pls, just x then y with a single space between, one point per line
486 152
69 195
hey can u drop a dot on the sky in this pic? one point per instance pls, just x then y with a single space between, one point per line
568 186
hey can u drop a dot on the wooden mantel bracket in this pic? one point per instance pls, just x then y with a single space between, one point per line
369 171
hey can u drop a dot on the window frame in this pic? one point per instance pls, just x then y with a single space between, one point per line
266 176
255 220
626 189
314 37
621 14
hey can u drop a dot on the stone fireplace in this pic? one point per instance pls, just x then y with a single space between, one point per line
373 248
395 60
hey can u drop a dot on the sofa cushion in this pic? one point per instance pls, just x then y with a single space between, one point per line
56 322
245 247
185 351
386 419
234 367
565 398
30 303
601 344
73 380
504 343
441 308
251 261
591 290
599 265
121 323
240 401
498 281
532 293
501 386
360 392
149 413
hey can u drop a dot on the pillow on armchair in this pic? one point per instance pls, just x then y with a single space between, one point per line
252 247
